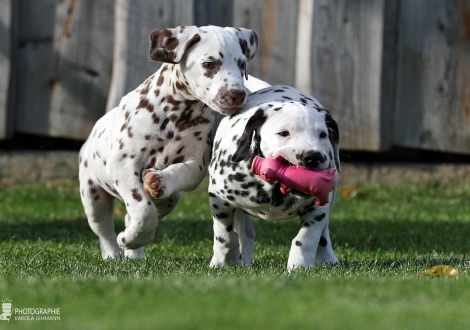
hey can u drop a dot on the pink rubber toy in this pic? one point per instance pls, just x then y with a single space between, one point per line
317 183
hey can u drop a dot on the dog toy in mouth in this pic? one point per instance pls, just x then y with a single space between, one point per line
317 183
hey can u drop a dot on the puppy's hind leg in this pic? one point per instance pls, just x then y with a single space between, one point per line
99 208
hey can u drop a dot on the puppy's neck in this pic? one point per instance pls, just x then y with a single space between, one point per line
169 80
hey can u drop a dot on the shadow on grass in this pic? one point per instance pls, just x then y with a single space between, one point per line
405 236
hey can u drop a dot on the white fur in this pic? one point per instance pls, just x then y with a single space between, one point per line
161 129
235 193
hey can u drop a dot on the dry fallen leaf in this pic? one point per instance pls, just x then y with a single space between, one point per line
371 241
117 211
440 270
348 191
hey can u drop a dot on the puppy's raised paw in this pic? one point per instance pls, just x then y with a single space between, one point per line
154 183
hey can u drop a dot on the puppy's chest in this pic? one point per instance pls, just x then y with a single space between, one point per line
157 131
242 189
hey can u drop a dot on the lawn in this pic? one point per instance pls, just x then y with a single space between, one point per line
383 234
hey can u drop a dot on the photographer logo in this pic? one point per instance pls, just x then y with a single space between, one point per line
28 314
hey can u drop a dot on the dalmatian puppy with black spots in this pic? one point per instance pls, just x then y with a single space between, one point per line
162 131
277 120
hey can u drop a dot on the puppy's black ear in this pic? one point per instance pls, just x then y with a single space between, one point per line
244 143
333 135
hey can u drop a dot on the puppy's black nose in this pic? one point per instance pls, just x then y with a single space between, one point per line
311 159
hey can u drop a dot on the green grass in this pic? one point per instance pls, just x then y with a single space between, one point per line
383 234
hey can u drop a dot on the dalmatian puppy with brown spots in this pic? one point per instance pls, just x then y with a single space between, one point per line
162 131
277 120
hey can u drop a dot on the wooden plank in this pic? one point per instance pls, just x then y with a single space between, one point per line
34 65
133 23
5 62
213 12
433 86
304 46
346 68
275 22
83 44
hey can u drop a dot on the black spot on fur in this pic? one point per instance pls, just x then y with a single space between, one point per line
222 215
240 177
323 242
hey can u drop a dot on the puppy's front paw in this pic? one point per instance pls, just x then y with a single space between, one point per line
154 183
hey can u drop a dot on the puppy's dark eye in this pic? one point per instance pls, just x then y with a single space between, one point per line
209 65
323 135
283 133
243 66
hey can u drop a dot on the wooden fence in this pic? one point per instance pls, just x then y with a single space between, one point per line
392 72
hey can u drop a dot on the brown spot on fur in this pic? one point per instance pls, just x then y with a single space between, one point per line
179 150
85 163
123 127
160 80
144 149
187 103
180 86
173 102
164 123
156 119
171 43
136 195
199 120
178 160
90 182
145 103
196 38
147 137
129 132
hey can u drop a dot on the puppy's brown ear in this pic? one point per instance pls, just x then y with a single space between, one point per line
333 135
244 143
169 45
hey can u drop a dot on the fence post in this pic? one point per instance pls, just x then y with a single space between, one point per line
133 23
5 63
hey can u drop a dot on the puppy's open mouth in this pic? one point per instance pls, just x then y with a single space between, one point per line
294 178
